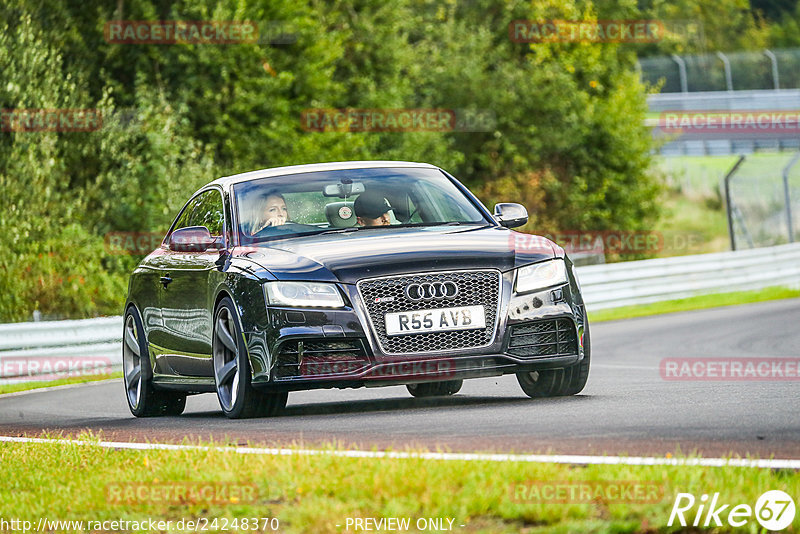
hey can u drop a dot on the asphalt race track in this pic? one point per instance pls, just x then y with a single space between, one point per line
626 408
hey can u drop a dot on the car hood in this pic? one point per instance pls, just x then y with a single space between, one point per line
349 257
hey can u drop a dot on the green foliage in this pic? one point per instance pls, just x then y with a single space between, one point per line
697 26
63 191
774 9
63 274
786 33
143 166
567 138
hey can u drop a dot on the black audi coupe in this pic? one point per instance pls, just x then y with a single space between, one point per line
343 275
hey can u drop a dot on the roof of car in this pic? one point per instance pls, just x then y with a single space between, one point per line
315 167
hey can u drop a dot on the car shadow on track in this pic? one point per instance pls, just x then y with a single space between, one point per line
397 405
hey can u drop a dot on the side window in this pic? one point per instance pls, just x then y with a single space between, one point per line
205 210
208 212
413 212
183 220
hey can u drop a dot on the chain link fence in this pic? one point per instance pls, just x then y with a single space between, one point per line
758 211
733 71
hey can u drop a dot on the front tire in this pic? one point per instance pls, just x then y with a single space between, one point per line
580 371
237 396
143 399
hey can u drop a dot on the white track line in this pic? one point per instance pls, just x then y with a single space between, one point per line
448 456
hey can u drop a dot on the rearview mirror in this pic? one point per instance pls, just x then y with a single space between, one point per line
345 189
510 214
192 239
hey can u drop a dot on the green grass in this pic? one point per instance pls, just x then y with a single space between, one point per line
694 303
25 386
317 493
694 219
692 225
702 174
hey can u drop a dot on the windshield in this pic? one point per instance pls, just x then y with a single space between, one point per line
349 200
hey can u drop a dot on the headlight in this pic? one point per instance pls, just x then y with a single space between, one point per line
303 294
541 275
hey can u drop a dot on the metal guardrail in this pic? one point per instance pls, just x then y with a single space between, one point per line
641 282
722 141
604 286
59 348
771 100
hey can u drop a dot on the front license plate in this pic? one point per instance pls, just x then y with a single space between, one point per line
438 320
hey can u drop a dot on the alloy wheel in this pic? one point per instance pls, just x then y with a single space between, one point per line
226 359
132 362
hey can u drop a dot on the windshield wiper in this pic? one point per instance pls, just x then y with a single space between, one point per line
349 229
440 223
345 230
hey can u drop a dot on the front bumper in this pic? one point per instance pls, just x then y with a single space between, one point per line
420 370
338 348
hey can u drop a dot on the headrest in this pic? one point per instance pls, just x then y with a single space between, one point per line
341 214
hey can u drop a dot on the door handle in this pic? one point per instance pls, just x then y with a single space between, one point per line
165 280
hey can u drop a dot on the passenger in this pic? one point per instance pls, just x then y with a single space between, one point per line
271 212
372 209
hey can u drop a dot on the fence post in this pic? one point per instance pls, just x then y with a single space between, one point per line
728 207
681 72
727 66
774 61
787 196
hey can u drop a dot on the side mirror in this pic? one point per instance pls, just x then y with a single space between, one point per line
192 239
510 214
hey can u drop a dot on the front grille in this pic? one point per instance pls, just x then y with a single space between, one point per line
319 357
475 288
550 337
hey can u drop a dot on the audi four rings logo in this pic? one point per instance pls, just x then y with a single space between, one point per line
431 290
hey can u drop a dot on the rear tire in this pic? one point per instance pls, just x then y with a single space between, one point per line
543 383
435 389
237 396
143 399
559 382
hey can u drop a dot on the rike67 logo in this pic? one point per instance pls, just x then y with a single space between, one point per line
774 510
